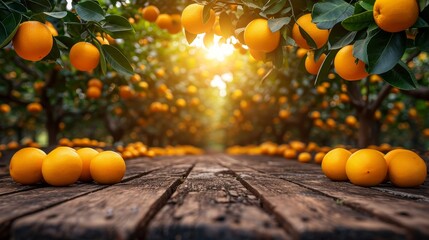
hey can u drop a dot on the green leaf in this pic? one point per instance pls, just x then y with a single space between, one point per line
423 4
360 46
276 24
38 6
54 54
117 60
307 38
367 5
274 8
340 37
17 6
73 29
326 66
401 77
251 4
206 12
103 65
8 27
190 37
330 12
58 15
384 51
359 21
90 11
422 39
117 24
420 23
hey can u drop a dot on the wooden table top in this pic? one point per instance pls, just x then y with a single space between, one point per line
214 197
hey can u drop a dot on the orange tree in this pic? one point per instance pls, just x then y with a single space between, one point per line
365 37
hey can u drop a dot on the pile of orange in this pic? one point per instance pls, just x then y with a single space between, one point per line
170 22
370 167
139 149
64 166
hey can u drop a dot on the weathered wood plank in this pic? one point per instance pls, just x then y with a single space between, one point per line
211 204
403 211
8 186
307 214
118 212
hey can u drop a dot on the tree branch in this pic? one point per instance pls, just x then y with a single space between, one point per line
355 95
420 93
381 96
27 69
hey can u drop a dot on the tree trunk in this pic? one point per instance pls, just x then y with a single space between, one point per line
366 133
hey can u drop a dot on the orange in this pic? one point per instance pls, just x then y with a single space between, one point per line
289 153
193 21
351 120
334 164
164 21
181 102
107 167
150 13
258 36
192 89
33 41
319 36
407 169
93 92
176 25
318 158
301 52
4 108
95 82
34 107
135 78
102 40
125 92
257 55
86 155
304 157
62 167
84 56
366 167
345 65
51 28
26 165
391 154
395 16
312 66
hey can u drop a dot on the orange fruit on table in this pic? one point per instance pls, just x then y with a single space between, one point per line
95 82
193 21
289 153
84 56
34 107
366 167
334 164
313 66
176 25
107 167
395 16
391 154
93 92
304 157
150 13
33 41
26 165
86 155
407 169
318 158
164 21
345 65
62 167
319 36
258 36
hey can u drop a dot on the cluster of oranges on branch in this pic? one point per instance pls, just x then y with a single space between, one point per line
169 22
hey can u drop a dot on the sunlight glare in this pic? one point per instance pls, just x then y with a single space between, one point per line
219 82
216 51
